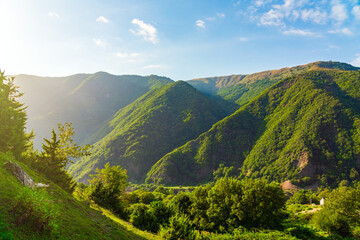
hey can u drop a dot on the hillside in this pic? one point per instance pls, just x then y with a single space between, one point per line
305 128
86 100
240 89
75 220
144 131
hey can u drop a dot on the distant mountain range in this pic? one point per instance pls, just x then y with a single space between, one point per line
86 100
298 123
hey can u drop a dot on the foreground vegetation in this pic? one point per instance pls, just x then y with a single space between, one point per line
234 209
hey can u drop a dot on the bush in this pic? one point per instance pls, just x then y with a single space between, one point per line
143 218
301 232
146 197
106 188
340 212
5 233
179 228
161 213
34 209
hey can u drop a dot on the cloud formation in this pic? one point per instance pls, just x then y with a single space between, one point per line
200 23
314 15
299 32
53 14
126 55
102 19
344 31
99 42
145 30
356 61
338 11
356 12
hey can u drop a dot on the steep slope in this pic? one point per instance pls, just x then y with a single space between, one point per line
156 123
75 220
305 126
86 100
240 89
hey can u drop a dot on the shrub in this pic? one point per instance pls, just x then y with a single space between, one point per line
35 209
106 188
340 212
179 228
5 233
146 197
143 218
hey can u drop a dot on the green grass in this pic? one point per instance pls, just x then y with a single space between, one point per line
75 221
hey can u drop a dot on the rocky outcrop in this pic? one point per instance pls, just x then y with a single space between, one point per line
22 176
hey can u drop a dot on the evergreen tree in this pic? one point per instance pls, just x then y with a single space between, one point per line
12 117
57 154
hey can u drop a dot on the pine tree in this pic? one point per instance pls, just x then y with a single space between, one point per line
12 117
56 156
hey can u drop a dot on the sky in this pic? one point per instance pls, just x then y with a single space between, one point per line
180 39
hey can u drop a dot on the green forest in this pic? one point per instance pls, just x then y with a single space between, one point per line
270 155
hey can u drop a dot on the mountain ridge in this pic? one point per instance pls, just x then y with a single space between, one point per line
157 122
278 136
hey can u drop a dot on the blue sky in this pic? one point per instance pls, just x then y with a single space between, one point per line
180 39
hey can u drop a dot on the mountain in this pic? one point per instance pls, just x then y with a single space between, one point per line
240 89
86 100
304 128
144 131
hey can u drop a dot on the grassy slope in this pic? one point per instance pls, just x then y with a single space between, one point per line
240 89
156 123
76 219
306 125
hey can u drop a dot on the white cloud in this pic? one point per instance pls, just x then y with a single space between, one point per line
53 14
200 23
99 42
220 15
127 55
155 67
344 31
102 19
272 18
242 39
315 16
356 61
276 15
299 32
331 46
356 12
147 31
338 11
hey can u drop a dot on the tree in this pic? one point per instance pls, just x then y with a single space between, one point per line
12 117
340 212
179 228
248 203
57 154
107 186
223 171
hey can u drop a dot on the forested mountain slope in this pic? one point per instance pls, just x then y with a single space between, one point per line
144 131
86 100
240 89
307 126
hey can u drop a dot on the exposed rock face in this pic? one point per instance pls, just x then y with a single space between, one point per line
22 176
